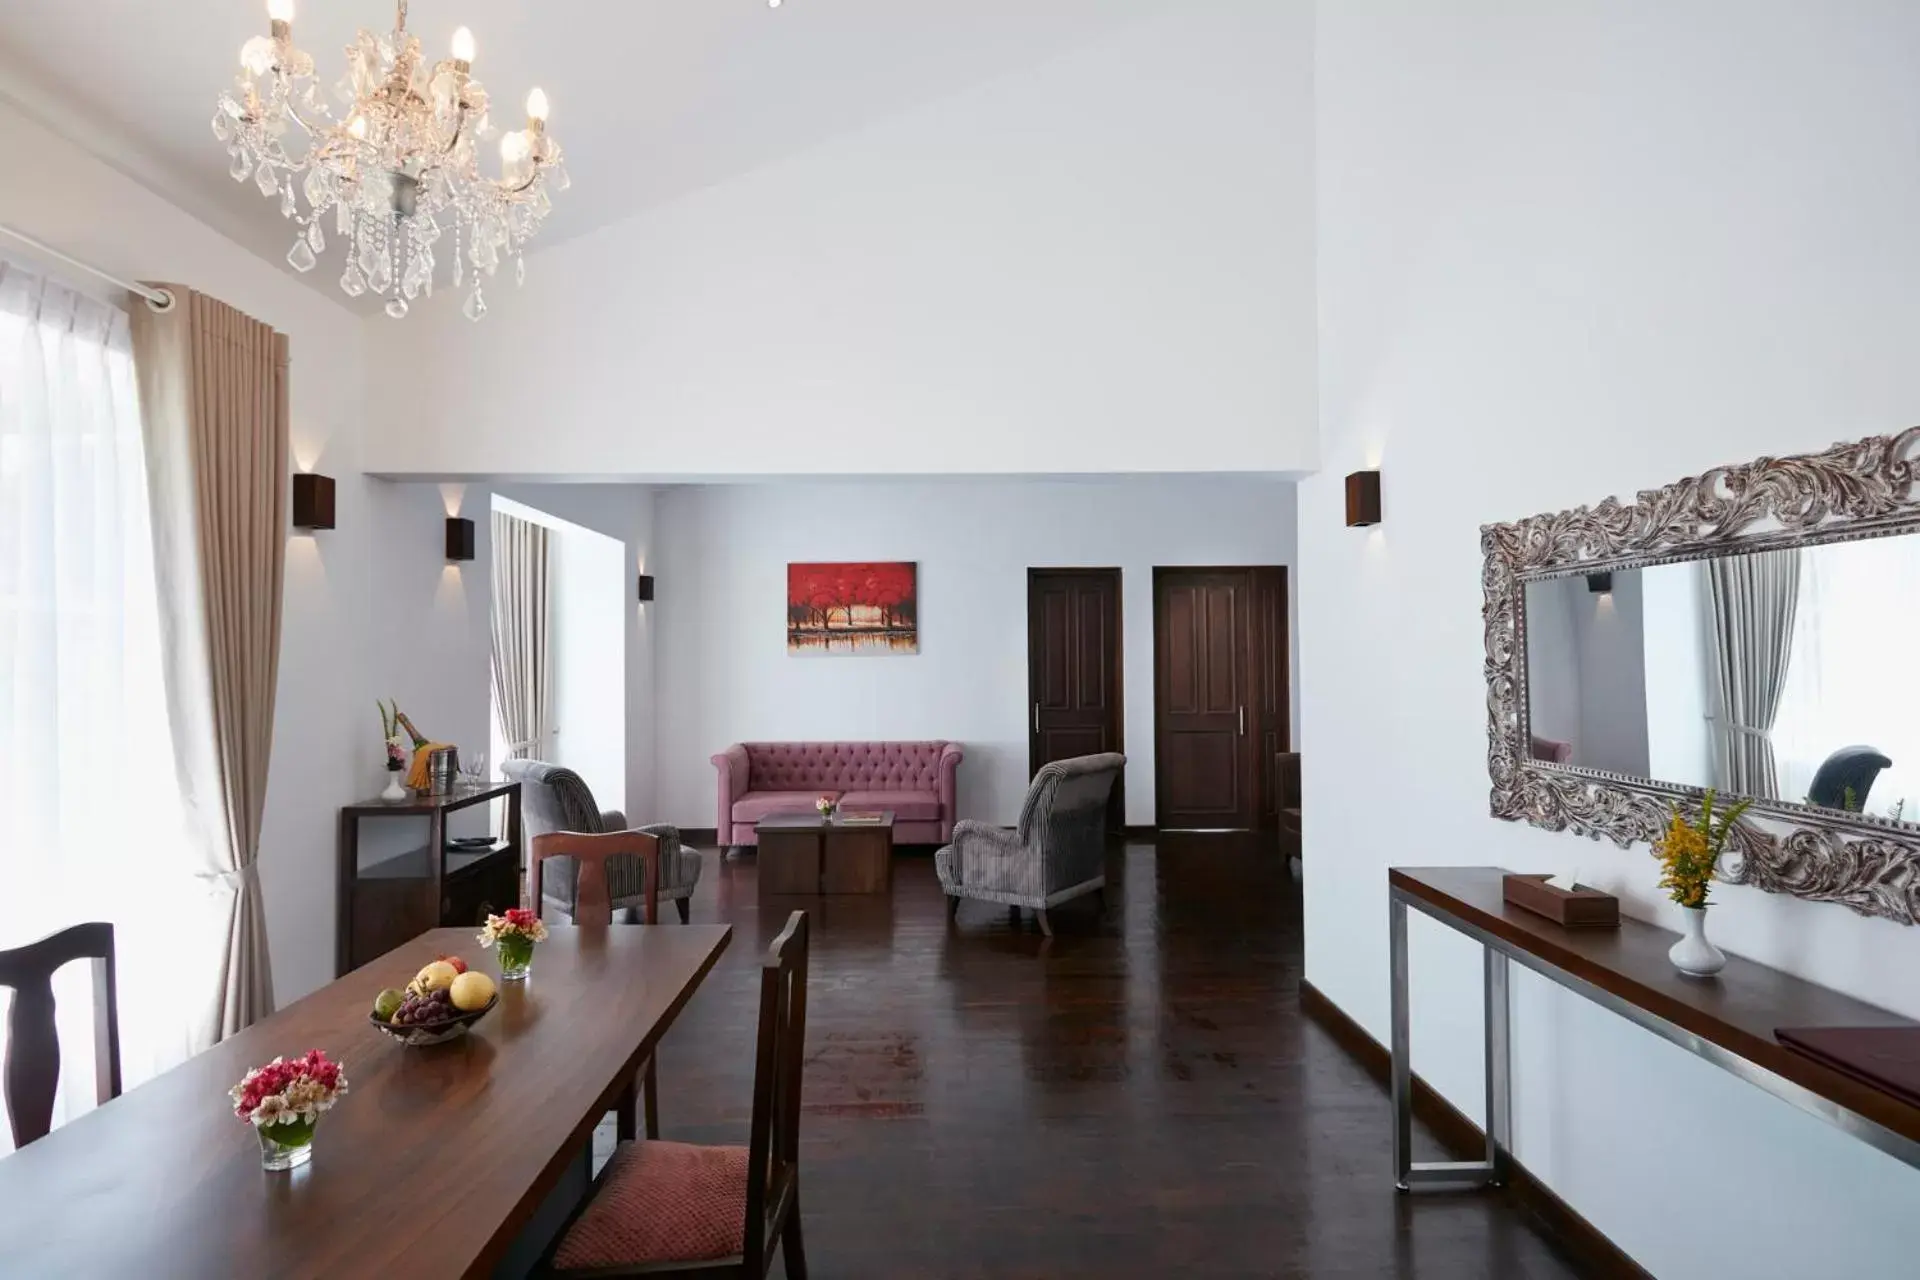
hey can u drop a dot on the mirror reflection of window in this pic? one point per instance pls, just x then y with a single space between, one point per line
1847 691
1776 674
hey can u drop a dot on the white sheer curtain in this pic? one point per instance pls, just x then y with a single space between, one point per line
90 819
1846 683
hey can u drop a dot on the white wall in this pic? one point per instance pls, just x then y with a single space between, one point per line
1553 663
1568 251
1102 263
725 674
1679 746
1610 638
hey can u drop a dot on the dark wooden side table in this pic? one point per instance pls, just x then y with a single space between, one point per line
395 899
805 853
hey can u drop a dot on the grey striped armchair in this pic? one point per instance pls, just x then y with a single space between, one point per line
1057 853
555 798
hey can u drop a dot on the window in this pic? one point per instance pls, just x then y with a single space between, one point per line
90 819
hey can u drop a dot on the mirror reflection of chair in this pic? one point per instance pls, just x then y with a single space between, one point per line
1845 777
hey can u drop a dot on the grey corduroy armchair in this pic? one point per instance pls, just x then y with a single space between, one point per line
1057 853
555 798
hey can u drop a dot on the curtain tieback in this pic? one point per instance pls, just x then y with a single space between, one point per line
234 880
1734 726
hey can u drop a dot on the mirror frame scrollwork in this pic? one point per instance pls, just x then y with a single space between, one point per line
1863 489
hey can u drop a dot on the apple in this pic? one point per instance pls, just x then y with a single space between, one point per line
459 965
435 976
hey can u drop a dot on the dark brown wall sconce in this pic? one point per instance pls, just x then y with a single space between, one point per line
1600 583
459 538
1363 499
312 501
646 587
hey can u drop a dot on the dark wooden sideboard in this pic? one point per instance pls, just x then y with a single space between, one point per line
384 903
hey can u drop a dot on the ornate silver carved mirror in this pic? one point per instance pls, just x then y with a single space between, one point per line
1751 630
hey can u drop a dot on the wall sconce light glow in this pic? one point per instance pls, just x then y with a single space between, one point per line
452 496
773 4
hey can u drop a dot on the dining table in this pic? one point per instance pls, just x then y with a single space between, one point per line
457 1159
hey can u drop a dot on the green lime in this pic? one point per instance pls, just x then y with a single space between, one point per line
387 1003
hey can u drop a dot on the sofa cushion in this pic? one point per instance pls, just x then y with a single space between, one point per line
864 766
756 805
907 806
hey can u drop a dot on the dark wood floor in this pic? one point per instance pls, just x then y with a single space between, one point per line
1140 1097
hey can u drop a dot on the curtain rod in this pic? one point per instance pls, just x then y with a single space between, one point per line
158 299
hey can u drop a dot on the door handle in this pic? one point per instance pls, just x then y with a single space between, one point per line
1243 719
1036 717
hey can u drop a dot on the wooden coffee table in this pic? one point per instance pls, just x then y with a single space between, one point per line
805 853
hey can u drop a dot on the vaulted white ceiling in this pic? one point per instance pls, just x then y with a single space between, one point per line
652 98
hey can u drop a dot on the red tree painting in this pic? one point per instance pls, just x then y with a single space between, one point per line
853 608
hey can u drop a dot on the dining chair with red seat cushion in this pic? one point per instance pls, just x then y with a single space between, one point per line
593 905
672 1209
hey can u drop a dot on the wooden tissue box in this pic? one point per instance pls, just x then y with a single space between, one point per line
1582 908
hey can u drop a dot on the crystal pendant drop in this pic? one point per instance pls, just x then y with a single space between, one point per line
475 306
222 126
397 308
263 178
519 270
380 279
352 283
300 257
315 239
342 219
287 207
368 254
458 274
240 167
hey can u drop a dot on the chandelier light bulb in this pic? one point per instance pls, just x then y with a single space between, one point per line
514 148
280 10
358 127
537 105
462 45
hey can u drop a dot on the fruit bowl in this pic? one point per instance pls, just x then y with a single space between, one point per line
420 1034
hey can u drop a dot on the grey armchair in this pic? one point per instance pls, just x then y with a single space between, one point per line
554 798
1058 852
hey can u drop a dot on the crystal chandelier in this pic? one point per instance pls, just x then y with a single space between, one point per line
397 166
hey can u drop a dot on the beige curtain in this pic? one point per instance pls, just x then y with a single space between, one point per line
1751 602
522 661
213 403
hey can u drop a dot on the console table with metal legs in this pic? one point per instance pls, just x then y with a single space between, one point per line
1729 1020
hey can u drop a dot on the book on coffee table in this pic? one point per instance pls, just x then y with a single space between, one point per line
861 817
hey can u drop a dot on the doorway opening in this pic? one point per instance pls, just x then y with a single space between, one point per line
571 650
1220 697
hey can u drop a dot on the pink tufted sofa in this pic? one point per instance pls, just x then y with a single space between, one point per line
916 780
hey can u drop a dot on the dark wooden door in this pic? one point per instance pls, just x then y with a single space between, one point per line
1220 695
1073 669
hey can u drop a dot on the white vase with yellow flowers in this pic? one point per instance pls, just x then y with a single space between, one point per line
1688 851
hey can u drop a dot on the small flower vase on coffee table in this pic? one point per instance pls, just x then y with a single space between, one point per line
1693 955
516 958
287 1145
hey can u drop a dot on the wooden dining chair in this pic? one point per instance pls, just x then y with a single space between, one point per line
593 905
669 1209
32 1074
